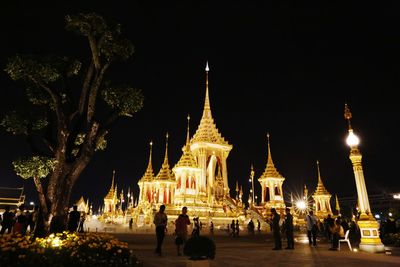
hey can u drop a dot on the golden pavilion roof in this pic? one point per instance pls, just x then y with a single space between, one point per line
148 176
112 193
320 190
270 170
207 130
165 173
187 159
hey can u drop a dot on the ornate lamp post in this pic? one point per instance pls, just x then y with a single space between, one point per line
370 240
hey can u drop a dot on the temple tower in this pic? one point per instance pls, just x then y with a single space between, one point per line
271 185
321 198
146 182
187 175
211 151
111 199
164 183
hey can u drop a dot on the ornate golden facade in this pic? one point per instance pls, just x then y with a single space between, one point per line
322 199
198 181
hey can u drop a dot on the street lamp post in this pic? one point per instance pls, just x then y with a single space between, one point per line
370 240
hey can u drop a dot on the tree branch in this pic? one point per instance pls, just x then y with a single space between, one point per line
93 93
85 88
95 52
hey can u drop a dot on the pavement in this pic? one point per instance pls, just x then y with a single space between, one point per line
256 250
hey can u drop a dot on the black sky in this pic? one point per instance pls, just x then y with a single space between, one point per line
282 67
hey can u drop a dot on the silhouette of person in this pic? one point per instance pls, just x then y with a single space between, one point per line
289 229
160 220
276 229
73 219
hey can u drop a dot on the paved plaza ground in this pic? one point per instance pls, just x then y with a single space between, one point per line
257 251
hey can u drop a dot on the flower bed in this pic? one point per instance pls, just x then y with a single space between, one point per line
65 249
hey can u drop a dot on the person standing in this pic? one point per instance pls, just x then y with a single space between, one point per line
237 229
73 219
312 228
212 228
160 220
276 229
258 226
8 220
289 229
181 231
130 224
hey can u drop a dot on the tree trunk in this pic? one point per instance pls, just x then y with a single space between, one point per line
42 198
59 204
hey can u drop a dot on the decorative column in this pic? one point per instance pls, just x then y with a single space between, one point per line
370 241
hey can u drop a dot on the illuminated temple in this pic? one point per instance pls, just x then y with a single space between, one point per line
198 181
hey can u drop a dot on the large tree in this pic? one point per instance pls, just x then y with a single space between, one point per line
73 104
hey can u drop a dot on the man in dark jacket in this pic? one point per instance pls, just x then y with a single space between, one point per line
276 229
289 229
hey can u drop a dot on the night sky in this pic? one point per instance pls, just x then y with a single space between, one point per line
281 68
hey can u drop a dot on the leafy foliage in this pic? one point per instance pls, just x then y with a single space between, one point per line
34 167
15 123
126 100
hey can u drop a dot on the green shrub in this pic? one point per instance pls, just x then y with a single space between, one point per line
65 249
198 248
392 240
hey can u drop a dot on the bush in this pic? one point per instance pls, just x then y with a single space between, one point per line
392 240
65 249
198 248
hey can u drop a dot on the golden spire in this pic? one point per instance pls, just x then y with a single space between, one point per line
149 174
237 187
112 190
166 149
207 130
305 191
188 130
270 170
320 190
337 204
347 115
187 159
165 172
207 107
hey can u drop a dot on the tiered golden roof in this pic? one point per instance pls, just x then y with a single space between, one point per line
187 159
112 193
165 173
270 170
320 190
207 131
148 176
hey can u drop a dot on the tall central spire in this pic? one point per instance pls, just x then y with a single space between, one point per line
207 130
166 149
207 107
270 170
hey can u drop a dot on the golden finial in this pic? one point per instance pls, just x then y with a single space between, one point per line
149 166
269 151
252 171
207 100
337 204
166 148
319 174
113 178
188 130
347 114
237 187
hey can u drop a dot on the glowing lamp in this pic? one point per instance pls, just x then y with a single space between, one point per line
352 140
301 205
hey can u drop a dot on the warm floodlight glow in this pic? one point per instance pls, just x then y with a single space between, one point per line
397 196
56 242
390 214
301 205
352 139
377 216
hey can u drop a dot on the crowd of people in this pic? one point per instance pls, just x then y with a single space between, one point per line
21 221
18 221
